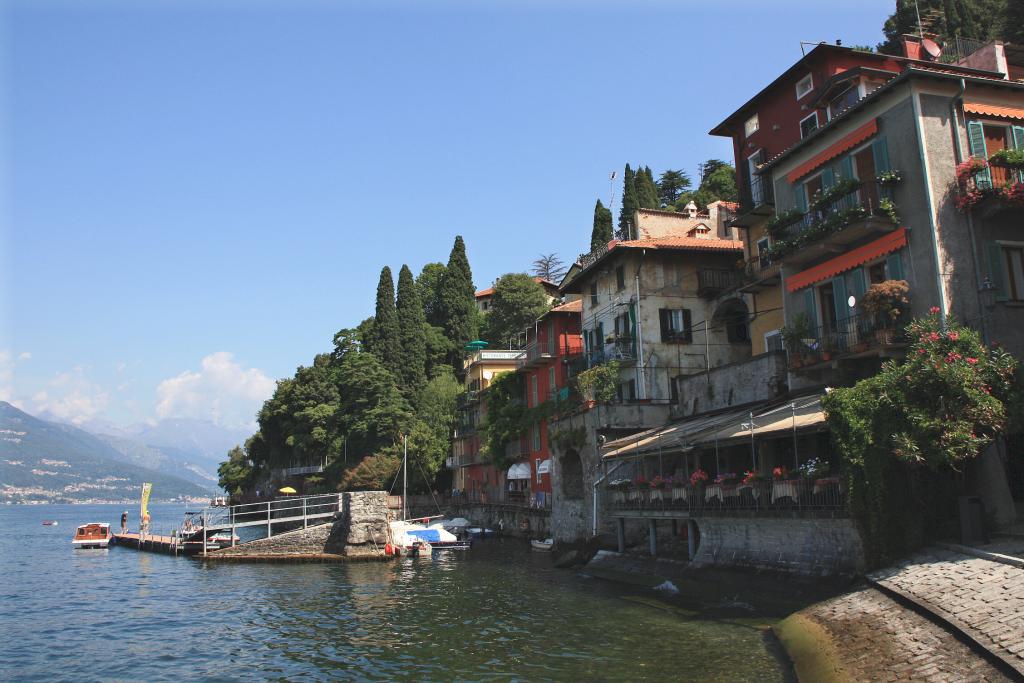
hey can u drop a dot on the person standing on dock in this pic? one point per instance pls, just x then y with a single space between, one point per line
124 522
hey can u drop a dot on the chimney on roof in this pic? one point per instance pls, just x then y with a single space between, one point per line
911 46
691 209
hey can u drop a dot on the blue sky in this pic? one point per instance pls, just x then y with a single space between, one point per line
196 196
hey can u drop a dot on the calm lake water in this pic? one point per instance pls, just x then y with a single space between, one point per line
497 612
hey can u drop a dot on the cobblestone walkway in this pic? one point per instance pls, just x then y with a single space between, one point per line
984 599
880 640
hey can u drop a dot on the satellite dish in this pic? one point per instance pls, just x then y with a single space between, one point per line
931 48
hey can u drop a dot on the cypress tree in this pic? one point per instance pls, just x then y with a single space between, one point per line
411 319
385 334
629 203
602 232
646 189
457 303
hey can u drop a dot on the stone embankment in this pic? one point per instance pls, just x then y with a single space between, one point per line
939 616
359 531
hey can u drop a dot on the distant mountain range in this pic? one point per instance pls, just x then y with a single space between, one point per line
43 460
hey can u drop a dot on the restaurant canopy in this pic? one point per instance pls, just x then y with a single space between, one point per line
521 470
724 429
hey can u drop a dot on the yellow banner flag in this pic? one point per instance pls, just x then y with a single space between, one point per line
147 488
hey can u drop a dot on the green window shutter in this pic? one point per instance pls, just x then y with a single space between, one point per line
1018 137
1018 143
858 284
846 168
600 335
894 266
880 152
996 274
800 197
976 140
827 179
812 315
840 299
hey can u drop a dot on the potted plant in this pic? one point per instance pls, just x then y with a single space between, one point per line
698 478
888 177
1008 158
793 336
886 302
780 473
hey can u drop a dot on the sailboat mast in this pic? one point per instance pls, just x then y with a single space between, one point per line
405 477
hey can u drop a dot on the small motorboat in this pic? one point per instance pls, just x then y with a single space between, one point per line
92 535
544 545
479 532
50 522
407 535
222 539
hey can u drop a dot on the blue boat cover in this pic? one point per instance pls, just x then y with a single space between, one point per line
428 535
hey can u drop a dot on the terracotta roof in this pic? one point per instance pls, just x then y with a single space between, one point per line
732 206
682 243
569 307
539 280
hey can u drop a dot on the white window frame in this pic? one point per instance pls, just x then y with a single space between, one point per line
805 86
1003 246
773 333
751 173
817 124
751 126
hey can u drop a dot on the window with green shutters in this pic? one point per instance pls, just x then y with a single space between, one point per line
976 143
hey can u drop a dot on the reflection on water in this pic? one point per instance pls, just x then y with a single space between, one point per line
497 612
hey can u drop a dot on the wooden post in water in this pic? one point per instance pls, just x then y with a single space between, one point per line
653 536
206 533
304 513
620 533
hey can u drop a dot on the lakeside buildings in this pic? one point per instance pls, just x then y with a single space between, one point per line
727 327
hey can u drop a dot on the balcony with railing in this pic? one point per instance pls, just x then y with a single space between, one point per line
713 281
757 199
989 187
847 213
538 352
622 348
760 273
858 336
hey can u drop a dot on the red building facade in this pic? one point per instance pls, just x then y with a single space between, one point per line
554 342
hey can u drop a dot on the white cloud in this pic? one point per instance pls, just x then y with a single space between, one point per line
7 363
71 397
24 355
222 391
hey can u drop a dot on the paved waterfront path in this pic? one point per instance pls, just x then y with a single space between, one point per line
981 598
877 639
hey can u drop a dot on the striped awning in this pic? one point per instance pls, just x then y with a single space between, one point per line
994 110
845 143
886 244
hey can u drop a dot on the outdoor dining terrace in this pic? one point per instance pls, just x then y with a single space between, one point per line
728 494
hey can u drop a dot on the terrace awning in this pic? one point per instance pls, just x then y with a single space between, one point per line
994 110
521 470
544 466
675 437
801 415
725 429
886 244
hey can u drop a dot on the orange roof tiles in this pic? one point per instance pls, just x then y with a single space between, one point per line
683 243
569 307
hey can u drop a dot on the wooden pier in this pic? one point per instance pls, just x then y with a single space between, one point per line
152 543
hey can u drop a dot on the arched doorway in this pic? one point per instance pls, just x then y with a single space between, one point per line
571 475
732 322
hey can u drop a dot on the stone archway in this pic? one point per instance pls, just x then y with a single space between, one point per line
571 475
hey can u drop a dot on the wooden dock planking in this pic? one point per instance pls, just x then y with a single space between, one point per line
151 543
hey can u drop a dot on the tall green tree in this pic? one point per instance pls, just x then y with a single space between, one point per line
1013 22
457 303
235 473
412 339
629 203
671 184
385 342
646 189
428 284
517 302
603 233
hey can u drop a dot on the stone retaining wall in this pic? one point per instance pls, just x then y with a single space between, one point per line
511 520
821 547
359 531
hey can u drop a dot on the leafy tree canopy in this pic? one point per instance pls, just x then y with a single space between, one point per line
549 267
235 474
517 302
671 184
